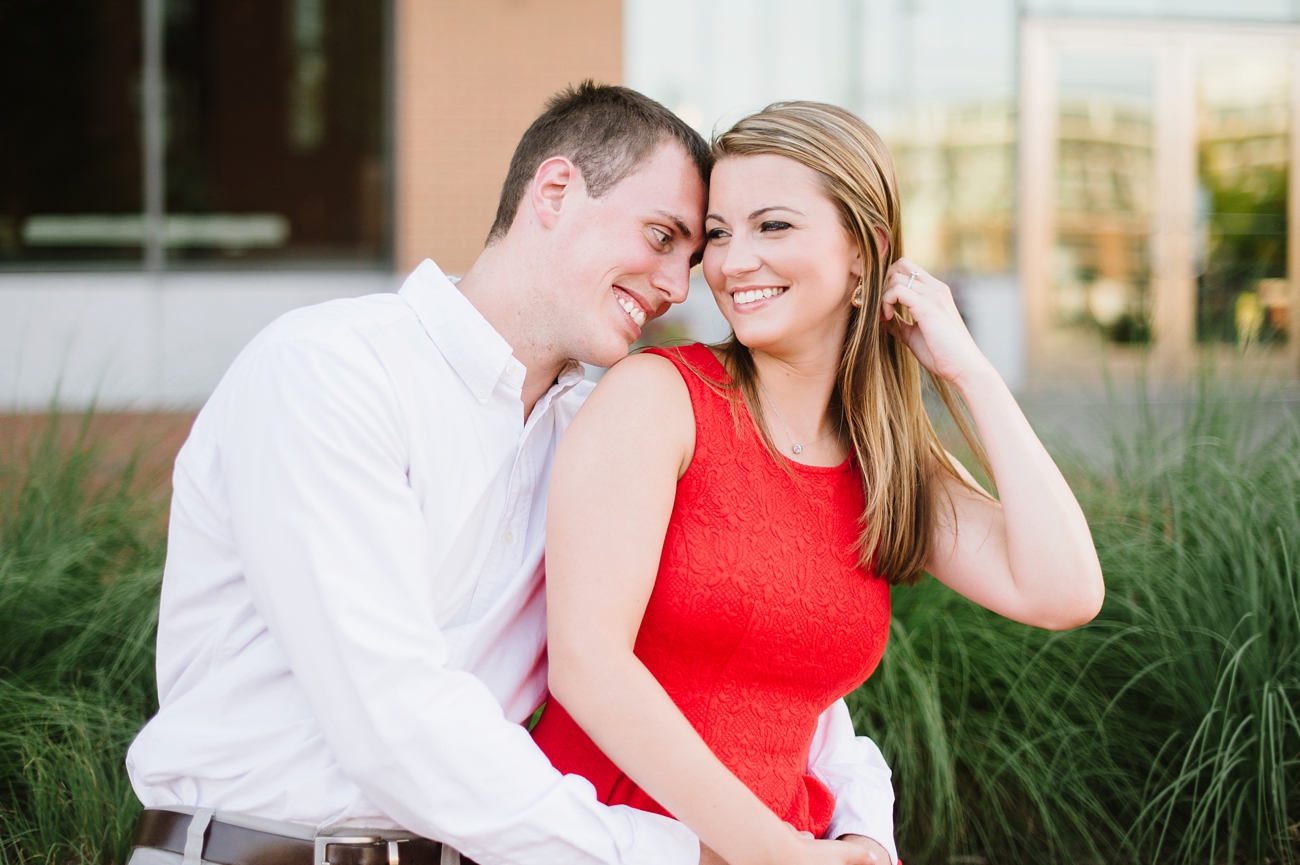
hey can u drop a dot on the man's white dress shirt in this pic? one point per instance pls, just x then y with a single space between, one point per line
353 616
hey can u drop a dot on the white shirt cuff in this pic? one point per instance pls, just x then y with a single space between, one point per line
660 840
861 809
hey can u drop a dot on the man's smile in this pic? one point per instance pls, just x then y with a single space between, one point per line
635 308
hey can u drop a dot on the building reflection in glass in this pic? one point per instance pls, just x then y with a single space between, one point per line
956 171
1243 148
1104 181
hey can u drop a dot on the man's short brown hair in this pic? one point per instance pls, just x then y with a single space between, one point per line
606 131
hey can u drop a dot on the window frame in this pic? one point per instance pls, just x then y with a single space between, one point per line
1174 48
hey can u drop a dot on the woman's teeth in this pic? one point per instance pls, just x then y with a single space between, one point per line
637 314
742 297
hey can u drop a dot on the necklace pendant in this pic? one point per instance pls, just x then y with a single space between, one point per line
797 448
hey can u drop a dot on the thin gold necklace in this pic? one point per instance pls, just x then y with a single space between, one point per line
794 446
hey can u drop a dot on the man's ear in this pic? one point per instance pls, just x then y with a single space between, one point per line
556 178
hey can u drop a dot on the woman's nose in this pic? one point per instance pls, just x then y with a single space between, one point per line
739 258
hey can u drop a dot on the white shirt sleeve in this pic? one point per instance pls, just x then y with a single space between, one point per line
337 558
855 771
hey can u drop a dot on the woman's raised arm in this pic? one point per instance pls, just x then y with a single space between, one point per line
611 496
1029 555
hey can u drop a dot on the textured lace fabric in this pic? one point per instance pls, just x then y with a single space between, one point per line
760 617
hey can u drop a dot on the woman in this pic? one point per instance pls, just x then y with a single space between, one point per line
725 523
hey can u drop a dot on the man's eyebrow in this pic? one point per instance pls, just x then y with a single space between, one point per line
677 223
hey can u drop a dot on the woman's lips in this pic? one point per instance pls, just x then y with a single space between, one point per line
754 297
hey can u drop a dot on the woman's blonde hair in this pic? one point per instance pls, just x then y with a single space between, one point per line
878 388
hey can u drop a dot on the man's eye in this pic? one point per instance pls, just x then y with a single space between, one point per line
773 225
661 236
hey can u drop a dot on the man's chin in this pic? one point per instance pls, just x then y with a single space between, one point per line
606 356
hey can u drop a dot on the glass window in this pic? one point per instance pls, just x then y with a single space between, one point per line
70 171
1104 181
274 132
1243 150
956 168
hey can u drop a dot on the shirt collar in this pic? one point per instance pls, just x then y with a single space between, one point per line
572 373
472 346
479 354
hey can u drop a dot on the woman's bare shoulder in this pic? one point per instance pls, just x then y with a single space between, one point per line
641 398
646 377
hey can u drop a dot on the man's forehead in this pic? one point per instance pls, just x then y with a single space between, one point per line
666 188
669 167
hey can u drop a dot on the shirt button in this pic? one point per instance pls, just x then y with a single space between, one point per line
512 369
482 394
509 537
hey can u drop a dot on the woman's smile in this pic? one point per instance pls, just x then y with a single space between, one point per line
752 298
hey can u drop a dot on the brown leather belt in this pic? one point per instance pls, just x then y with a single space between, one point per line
227 844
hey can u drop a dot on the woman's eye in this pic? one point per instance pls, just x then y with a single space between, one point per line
773 225
714 234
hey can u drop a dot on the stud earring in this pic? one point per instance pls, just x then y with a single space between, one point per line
856 299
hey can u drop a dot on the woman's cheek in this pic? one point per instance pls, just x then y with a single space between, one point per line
711 265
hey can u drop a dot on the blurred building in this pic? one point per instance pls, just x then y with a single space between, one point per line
174 174
1106 184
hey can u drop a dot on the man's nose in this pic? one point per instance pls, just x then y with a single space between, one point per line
675 281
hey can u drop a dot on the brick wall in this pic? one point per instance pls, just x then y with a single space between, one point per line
147 440
471 75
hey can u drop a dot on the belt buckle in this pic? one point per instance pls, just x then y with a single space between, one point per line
322 843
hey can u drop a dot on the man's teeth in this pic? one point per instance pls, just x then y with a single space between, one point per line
754 294
638 314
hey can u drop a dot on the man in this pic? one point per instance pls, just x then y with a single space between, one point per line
352 620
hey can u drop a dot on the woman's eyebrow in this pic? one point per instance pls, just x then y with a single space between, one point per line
757 213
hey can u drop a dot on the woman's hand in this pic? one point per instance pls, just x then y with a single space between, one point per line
936 333
849 850
808 851
878 852
840 853
813 852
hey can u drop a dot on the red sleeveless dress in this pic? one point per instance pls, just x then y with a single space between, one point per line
760 617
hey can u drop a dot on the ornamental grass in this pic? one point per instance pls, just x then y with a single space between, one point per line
1166 731
81 553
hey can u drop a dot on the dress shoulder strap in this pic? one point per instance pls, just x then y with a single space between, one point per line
707 380
699 368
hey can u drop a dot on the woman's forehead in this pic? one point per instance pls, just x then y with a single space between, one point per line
765 180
